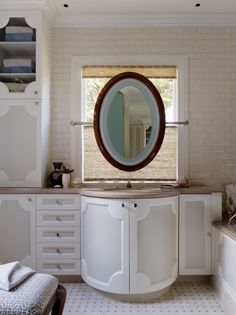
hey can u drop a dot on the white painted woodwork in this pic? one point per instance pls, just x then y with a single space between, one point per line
58 202
105 244
58 251
153 244
56 267
25 116
58 233
58 218
20 136
17 229
195 219
129 246
31 50
224 262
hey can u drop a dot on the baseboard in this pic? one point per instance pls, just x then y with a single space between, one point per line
193 278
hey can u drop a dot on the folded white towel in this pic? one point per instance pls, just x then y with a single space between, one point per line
17 62
18 30
12 274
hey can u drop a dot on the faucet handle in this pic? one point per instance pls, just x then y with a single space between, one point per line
128 184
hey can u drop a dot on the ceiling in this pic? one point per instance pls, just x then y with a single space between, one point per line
142 7
132 12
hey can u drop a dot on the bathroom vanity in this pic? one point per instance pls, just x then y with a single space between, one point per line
139 241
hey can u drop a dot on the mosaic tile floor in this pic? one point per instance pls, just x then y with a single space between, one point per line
182 298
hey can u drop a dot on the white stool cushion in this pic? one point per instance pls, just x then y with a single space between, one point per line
30 297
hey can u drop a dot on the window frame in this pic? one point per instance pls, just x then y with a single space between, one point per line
77 110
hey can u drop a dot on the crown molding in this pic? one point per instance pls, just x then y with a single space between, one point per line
22 4
145 20
48 6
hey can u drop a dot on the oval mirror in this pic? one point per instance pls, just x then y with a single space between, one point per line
129 121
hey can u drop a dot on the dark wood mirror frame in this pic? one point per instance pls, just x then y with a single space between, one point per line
160 109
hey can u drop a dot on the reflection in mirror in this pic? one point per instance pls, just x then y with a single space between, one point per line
129 121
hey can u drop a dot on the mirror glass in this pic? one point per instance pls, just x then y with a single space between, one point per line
129 121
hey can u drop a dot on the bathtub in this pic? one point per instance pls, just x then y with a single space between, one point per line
224 264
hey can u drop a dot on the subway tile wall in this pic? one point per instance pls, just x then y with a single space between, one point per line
212 87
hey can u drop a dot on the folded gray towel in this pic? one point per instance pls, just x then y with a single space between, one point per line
12 274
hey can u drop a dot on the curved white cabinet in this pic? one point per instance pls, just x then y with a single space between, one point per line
129 246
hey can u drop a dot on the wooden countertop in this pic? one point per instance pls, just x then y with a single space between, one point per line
108 191
36 190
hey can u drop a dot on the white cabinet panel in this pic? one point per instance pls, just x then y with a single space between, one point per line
195 235
17 229
153 244
105 244
20 138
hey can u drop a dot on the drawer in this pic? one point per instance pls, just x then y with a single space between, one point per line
58 202
58 218
58 234
59 267
58 251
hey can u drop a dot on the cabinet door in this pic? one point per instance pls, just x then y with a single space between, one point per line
105 244
21 76
153 244
20 158
195 235
17 229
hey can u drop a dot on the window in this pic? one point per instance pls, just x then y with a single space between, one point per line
168 78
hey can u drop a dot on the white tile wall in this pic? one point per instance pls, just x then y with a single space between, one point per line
212 87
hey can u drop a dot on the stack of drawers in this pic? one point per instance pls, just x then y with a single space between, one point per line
58 234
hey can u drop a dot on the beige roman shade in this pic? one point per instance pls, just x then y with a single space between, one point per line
155 72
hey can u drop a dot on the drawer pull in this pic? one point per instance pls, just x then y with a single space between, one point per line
58 251
29 199
58 202
58 267
59 219
122 205
58 235
135 205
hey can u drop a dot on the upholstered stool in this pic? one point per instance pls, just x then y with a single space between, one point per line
37 295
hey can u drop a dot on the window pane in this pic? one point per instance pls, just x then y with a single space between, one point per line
162 167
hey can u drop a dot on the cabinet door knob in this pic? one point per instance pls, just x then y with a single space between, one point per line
209 234
58 235
35 92
36 102
122 205
58 202
58 267
29 199
59 219
58 251
135 205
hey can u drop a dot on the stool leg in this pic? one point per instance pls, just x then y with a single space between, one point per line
60 300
